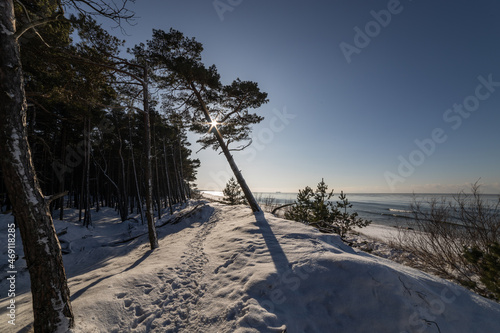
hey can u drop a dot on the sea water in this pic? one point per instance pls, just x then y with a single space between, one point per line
387 209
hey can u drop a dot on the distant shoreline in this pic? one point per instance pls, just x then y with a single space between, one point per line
362 193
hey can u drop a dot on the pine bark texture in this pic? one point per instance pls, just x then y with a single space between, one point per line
51 299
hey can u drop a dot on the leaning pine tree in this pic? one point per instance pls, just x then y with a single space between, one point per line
210 107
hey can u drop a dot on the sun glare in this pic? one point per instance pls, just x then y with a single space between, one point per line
213 125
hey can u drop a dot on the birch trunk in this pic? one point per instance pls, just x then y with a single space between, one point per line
51 299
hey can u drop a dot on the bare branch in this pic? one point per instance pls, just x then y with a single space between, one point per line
50 198
34 24
240 148
109 9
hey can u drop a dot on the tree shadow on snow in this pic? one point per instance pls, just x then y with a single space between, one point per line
269 292
201 215
277 254
135 264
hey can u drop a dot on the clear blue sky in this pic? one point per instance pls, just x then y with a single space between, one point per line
346 108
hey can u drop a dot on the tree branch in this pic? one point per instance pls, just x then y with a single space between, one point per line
50 198
240 148
102 8
282 206
236 110
34 24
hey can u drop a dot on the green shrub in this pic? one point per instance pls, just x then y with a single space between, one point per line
315 208
487 265
232 193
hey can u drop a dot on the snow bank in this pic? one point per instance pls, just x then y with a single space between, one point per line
225 269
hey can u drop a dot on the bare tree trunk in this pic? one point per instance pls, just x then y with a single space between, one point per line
181 176
87 219
139 201
185 185
51 299
237 173
96 191
153 239
177 178
157 187
169 191
123 197
158 194
62 176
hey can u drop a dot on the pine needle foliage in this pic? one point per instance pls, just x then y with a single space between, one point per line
315 207
488 266
232 193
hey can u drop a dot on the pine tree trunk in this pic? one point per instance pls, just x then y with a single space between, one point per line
237 173
87 219
153 239
122 195
62 176
177 178
51 301
185 185
157 187
96 192
158 194
139 201
169 191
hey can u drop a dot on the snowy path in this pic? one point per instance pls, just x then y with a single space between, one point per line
174 298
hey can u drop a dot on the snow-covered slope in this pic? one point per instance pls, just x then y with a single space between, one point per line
224 269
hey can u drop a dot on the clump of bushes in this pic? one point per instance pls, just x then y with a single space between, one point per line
458 240
315 207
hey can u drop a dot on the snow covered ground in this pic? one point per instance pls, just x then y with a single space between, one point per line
224 269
